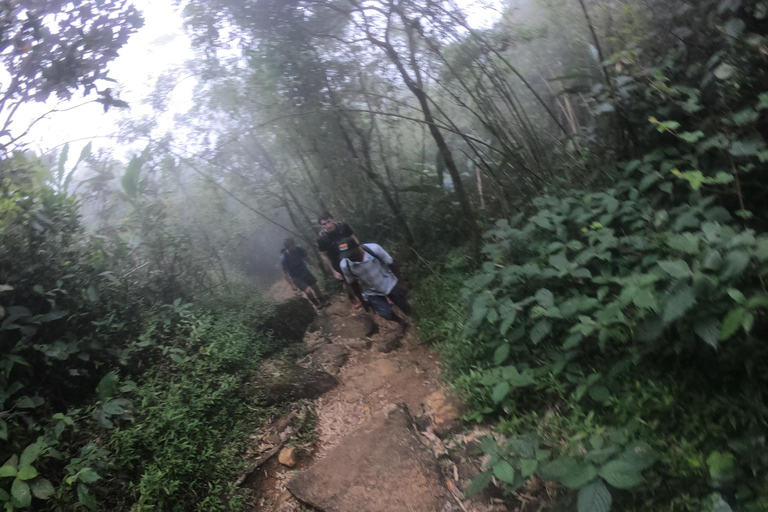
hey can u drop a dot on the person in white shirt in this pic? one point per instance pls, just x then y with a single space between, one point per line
371 272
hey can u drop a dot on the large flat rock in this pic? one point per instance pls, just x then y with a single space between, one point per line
381 467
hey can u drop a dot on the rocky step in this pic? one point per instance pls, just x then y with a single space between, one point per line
381 467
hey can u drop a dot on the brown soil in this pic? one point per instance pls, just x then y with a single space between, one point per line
370 382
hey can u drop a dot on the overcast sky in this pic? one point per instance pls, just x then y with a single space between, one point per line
160 46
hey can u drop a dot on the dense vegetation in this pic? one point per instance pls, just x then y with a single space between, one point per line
575 187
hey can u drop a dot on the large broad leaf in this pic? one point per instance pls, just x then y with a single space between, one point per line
21 493
708 329
676 268
579 475
594 498
504 472
8 471
540 331
85 497
42 489
501 354
679 304
621 474
639 455
479 483
557 469
528 467
107 386
500 391
516 378
29 455
732 322
545 298
27 473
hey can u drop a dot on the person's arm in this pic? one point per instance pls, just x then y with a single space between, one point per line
327 261
290 281
355 285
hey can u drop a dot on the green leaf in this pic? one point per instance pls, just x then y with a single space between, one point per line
63 156
517 379
732 322
639 455
747 147
679 304
708 329
3 430
621 474
600 394
540 331
579 475
500 391
93 294
691 136
21 493
735 263
528 467
116 407
594 498
557 469
504 472
6 471
545 298
88 476
107 386
29 455
85 497
479 483
27 473
722 466
130 180
676 268
42 489
501 354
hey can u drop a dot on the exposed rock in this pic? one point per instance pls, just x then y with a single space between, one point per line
364 344
330 357
287 456
273 439
296 383
289 321
349 325
390 344
445 413
381 467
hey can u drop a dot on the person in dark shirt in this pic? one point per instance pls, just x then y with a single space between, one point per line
298 275
328 238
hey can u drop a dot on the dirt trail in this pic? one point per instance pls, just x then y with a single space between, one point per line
388 437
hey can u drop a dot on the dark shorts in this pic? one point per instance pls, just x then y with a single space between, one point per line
384 308
304 281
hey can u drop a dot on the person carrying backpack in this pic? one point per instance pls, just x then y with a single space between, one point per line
298 275
328 238
371 272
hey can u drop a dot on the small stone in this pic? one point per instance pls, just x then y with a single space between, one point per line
287 456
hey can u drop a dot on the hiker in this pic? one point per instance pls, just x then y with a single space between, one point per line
298 275
330 235
370 270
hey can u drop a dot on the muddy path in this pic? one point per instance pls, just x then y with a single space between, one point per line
388 436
